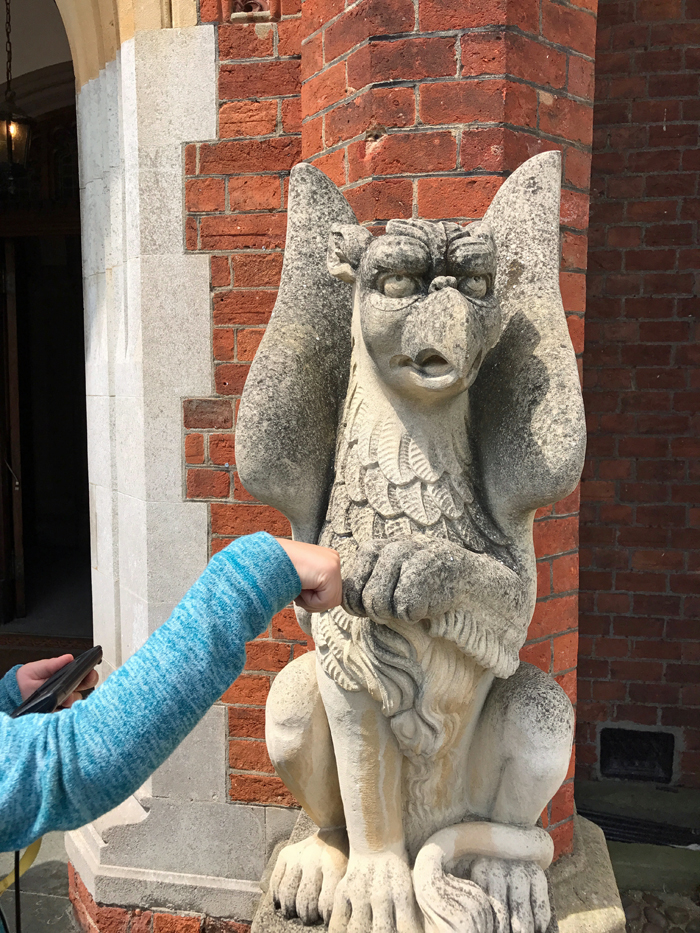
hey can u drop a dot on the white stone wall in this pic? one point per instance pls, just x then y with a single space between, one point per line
147 326
148 346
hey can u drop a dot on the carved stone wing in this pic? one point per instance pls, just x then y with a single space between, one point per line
288 417
527 404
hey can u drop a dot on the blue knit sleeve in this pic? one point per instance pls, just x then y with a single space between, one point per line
10 697
63 770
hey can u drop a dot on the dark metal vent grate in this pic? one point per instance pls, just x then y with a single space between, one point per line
631 829
636 755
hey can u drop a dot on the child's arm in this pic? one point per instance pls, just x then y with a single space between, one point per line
62 770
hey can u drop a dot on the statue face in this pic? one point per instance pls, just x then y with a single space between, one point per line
427 311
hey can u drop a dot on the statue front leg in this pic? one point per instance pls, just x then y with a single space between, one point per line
307 873
376 893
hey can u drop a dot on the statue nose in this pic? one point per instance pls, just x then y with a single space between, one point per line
442 281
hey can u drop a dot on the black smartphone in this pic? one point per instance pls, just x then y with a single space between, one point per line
60 685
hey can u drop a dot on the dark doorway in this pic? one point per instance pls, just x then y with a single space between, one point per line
46 605
53 436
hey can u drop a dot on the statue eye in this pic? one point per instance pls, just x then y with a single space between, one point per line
397 285
474 286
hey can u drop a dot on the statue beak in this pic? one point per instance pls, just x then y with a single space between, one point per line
442 339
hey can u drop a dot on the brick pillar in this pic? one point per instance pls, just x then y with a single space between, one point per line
413 110
640 592
421 109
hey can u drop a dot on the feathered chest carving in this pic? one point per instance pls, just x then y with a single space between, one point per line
388 485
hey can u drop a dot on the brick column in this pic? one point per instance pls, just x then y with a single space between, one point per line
421 110
413 109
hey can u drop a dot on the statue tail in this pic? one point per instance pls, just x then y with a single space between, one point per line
454 905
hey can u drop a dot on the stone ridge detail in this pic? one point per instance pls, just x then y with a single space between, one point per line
375 94
96 918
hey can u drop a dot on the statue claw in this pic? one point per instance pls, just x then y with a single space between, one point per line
518 894
307 874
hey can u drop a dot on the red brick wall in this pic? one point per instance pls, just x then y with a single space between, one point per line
95 918
640 522
235 195
410 109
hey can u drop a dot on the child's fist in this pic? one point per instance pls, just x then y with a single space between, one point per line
319 572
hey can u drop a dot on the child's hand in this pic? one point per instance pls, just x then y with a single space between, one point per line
31 676
319 572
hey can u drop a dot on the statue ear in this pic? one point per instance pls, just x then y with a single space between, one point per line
346 244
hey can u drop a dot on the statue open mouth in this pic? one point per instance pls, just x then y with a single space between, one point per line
429 365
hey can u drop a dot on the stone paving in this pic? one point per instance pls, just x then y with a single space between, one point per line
44 891
660 912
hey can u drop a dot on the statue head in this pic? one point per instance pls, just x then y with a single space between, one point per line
424 294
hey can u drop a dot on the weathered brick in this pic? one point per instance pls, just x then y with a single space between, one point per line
247 342
253 270
333 164
369 18
246 721
267 655
263 79
444 14
462 102
207 413
220 271
324 89
289 35
402 59
246 40
254 193
386 107
249 755
230 378
243 231
249 689
169 923
231 157
224 343
245 519
222 449
381 199
194 448
403 153
253 788
314 13
208 484
468 197
248 118
568 26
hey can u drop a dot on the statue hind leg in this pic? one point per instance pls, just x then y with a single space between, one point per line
299 743
517 760
521 755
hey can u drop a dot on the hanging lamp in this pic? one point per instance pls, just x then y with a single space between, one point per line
15 124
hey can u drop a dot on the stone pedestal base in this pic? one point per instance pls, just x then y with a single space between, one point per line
586 898
584 895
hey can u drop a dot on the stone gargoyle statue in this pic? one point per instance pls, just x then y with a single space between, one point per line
414 400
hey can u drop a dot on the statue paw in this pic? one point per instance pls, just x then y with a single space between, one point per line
404 578
376 896
307 874
517 891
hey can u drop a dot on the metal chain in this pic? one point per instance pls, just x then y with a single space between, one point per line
8 50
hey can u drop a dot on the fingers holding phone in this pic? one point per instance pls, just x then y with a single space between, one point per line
31 676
